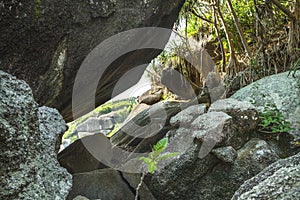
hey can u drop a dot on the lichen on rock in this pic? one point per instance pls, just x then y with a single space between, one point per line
28 134
281 90
281 180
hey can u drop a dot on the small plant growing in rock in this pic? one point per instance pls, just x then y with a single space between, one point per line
271 120
153 159
157 155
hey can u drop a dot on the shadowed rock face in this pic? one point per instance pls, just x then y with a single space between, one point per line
45 42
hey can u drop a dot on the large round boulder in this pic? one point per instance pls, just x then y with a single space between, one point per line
280 90
45 43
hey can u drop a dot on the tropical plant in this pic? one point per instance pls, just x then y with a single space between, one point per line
153 159
271 120
157 155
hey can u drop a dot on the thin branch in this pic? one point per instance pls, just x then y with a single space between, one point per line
278 39
239 28
206 3
197 15
220 40
226 30
139 186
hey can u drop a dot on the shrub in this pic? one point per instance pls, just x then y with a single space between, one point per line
271 120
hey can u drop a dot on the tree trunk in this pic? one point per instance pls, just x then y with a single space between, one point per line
233 64
261 44
294 31
239 28
294 34
220 40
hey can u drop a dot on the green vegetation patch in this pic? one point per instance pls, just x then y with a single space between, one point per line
121 107
271 120
157 155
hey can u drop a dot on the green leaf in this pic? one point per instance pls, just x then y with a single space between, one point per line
161 144
151 155
272 119
146 160
167 155
152 167
157 153
141 158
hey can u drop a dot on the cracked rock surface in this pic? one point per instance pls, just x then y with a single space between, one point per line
281 180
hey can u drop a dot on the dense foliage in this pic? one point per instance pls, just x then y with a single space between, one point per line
246 39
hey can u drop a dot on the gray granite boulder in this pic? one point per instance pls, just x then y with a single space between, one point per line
103 120
101 184
91 125
45 43
186 117
281 180
220 129
242 112
133 179
227 154
29 142
212 127
79 197
216 154
107 122
212 177
281 90
102 124
86 154
148 126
